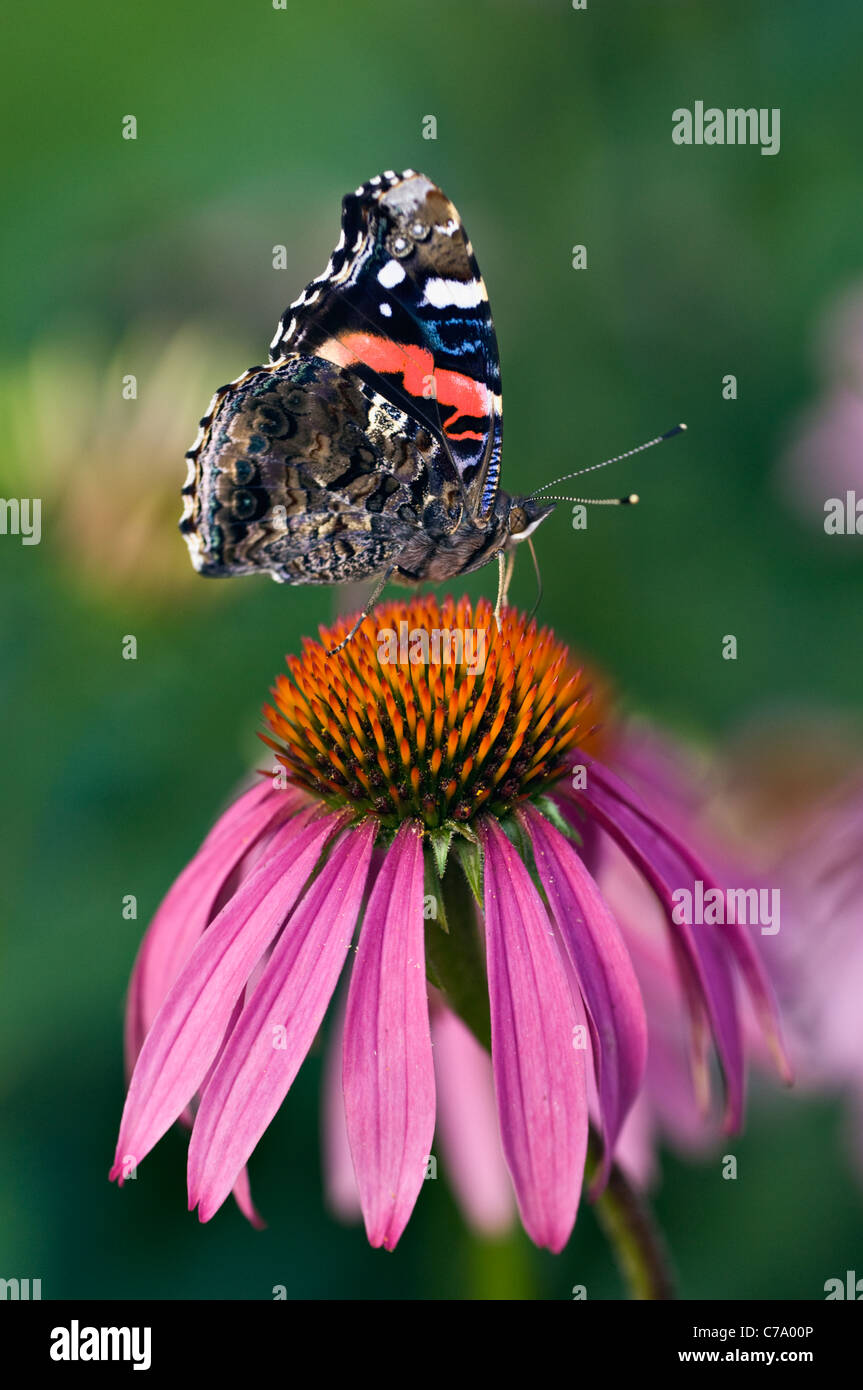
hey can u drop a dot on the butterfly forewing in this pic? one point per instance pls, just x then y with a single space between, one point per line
403 305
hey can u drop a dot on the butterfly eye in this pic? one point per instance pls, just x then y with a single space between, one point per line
400 245
517 520
244 504
419 230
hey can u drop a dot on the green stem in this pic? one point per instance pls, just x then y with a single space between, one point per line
454 959
631 1231
455 965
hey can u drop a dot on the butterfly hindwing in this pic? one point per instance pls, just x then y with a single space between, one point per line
402 304
303 470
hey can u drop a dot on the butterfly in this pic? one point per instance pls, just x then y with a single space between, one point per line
369 446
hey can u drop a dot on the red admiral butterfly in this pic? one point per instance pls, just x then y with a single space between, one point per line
370 445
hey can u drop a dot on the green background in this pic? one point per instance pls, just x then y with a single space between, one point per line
554 128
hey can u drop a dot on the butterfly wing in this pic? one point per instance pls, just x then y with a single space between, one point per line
302 469
403 305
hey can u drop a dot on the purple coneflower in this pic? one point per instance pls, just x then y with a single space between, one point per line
402 783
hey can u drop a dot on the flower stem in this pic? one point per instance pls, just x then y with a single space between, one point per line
631 1231
454 955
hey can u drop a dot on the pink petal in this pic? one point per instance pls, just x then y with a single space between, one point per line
635 1151
747 959
467 1125
608 984
243 1197
669 1086
388 1070
186 909
256 1072
192 1022
340 1181
242 1192
702 955
539 1075
761 992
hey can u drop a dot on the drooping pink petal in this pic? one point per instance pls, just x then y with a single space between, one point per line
607 980
242 1193
186 908
191 903
647 759
279 1023
654 952
468 1127
539 1075
654 762
192 1022
635 1151
761 991
702 955
669 1085
748 961
388 1070
340 1180
746 958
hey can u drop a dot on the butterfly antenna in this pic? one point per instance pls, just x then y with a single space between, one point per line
606 501
629 501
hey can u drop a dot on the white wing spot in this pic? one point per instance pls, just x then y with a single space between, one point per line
390 275
447 294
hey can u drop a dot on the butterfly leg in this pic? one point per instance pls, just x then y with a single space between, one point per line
505 566
510 566
369 605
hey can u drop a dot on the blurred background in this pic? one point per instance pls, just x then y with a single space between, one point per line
154 258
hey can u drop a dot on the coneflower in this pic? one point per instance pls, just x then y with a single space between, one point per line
443 795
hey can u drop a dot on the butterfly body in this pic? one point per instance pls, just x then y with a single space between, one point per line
370 443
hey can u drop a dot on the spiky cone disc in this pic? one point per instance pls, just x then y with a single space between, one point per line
441 738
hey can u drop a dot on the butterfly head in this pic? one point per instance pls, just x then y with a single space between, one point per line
520 516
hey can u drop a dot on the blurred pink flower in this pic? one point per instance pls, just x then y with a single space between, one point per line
819 975
824 455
